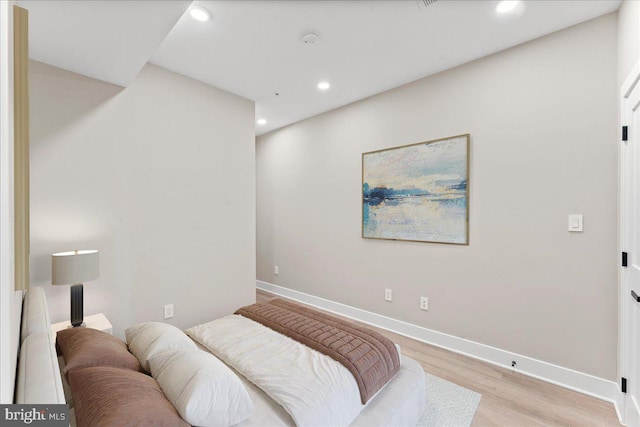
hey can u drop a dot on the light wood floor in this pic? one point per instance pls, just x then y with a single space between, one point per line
508 398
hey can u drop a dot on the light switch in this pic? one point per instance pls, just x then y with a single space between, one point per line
575 222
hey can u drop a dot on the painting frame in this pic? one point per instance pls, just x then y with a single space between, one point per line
420 201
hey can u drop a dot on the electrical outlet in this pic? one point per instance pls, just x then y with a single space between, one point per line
168 311
276 271
387 295
424 303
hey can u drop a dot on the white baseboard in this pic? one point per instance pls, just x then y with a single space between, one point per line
564 377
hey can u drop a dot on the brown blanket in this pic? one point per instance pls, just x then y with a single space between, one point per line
370 357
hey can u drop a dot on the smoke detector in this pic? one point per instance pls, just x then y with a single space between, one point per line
425 3
310 37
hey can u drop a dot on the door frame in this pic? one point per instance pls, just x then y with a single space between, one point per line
628 413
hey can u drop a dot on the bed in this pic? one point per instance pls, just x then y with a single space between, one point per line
189 382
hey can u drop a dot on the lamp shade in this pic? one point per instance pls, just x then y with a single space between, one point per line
74 267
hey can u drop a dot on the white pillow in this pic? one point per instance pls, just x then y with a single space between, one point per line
204 390
147 339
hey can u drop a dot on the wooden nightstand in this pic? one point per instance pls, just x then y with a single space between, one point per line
97 321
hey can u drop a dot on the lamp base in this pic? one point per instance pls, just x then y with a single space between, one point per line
77 309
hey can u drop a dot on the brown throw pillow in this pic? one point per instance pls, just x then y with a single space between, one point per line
106 396
83 347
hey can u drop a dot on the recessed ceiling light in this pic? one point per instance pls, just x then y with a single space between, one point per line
506 6
199 13
324 85
261 122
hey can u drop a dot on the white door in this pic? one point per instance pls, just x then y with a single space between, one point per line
630 242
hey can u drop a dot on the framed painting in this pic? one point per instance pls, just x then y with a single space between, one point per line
417 192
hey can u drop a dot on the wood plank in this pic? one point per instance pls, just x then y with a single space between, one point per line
508 398
21 145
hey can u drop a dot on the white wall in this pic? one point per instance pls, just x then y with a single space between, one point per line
628 37
160 177
6 195
10 300
542 119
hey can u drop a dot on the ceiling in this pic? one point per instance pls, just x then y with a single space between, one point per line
106 40
254 48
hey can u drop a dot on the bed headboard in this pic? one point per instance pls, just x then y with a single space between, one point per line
38 377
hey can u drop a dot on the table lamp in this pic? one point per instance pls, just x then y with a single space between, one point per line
74 268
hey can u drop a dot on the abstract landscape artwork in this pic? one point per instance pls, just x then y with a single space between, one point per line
417 192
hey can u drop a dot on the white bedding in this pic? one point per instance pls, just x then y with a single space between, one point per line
398 404
313 388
